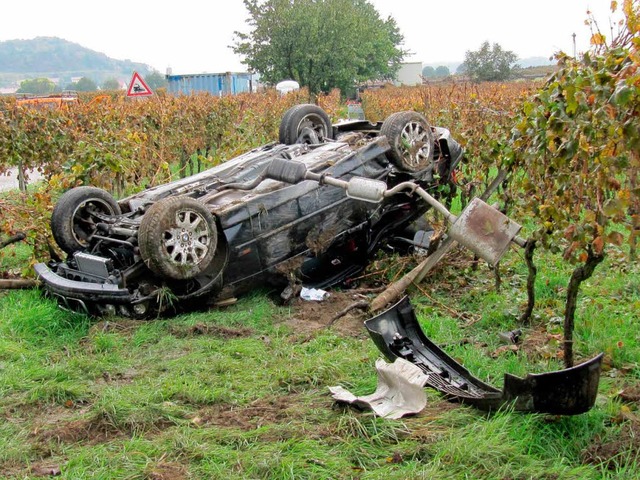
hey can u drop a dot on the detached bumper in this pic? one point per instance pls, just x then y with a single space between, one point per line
397 334
77 291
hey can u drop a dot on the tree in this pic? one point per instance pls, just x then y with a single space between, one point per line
490 63
85 84
428 72
38 86
442 71
322 44
156 80
576 158
111 84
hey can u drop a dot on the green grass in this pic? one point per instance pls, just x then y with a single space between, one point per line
14 256
237 393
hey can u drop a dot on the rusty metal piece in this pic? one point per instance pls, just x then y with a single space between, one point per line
484 230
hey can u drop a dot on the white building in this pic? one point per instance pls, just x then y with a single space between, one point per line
410 74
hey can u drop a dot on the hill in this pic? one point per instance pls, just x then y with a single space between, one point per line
54 57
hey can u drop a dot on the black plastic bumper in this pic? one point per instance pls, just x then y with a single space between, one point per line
74 290
397 333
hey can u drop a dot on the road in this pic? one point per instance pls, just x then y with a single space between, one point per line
10 179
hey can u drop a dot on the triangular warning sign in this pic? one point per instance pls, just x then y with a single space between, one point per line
137 87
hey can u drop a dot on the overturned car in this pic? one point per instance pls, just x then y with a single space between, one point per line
308 210
275 216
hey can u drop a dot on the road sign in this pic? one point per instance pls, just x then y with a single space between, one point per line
137 87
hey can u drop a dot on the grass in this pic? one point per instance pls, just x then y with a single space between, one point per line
239 393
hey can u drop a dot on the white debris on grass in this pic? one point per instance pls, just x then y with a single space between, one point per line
313 294
400 390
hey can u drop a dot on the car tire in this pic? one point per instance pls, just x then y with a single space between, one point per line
178 238
411 140
306 123
75 216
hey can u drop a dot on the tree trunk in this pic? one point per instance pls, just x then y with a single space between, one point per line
199 158
634 212
15 238
22 182
529 247
497 277
579 275
183 164
119 187
19 283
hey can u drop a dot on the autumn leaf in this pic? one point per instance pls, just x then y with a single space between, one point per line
612 207
590 216
615 238
504 349
570 232
598 245
614 183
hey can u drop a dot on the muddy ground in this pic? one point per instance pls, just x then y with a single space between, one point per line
333 312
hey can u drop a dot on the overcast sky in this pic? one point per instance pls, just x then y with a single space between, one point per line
194 36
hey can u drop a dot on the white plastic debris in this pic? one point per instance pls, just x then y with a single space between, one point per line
313 294
400 390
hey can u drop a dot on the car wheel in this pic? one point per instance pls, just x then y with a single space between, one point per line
178 237
411 140
76 215
305 123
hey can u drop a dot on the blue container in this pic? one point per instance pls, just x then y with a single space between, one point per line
214 83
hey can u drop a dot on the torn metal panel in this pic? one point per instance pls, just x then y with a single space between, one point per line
484 230
400 390
397 334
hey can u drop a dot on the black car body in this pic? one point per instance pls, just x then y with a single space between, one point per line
212 236
309 210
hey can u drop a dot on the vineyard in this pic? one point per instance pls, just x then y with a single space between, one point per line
124 146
